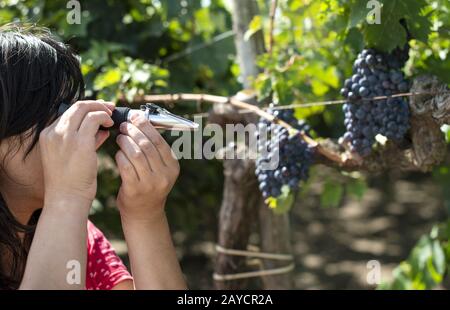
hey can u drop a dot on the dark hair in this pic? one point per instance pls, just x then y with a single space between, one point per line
37 74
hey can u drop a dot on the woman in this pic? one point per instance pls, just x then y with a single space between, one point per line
48 178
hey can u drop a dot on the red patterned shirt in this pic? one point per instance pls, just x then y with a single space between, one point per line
104 268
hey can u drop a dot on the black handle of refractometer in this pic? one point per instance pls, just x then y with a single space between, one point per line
119 116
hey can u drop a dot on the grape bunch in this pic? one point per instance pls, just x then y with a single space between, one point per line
376 74
294 154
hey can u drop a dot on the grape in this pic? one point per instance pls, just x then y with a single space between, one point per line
295 155
364 92
376 74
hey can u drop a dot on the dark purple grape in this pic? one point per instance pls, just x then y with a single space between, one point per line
296 156
364 92
403 87
371 60
375 74
355 78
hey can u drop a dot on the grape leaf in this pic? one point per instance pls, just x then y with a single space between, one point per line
263 84
419 28
108 78
254 26
358 13
357 188
355 39
390 34
331 195
438 257
282 203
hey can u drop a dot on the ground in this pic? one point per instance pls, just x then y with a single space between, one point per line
333 246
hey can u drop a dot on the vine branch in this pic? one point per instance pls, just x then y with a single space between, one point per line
213 99
426 148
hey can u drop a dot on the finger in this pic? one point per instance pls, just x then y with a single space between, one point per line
146 146
135 156
109 104
155 137
75 115
126 169
100 138
92 122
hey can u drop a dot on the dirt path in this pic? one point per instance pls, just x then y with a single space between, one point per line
333 246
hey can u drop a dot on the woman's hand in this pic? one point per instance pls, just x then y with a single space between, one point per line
68 154
148 169
68 150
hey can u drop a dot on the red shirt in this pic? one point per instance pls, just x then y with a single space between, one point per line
104 268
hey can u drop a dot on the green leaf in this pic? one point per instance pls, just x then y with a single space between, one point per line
282 203
433 273
390 34
6 16
203 22
319 88
356 187
254 26
303 113
355 39
419 28
331 195
386 36
402 279
282 90
446 130
358 13
427 263
438 258
263 85
108 78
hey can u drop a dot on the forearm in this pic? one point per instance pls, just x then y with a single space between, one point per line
152 254
60 238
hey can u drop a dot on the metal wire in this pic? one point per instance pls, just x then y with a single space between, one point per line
198 47
325 103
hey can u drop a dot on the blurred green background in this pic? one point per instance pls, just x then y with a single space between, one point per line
136 47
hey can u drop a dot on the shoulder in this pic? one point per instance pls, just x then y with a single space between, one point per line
104 267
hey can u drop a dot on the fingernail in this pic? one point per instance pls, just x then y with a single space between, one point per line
123 126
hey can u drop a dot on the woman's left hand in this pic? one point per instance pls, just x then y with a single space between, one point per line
148 169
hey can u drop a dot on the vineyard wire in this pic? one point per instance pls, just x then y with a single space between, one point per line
195 48
201 99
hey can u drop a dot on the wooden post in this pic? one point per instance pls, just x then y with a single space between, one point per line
241 197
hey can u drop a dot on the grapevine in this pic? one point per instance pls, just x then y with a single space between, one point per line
294 154
376 74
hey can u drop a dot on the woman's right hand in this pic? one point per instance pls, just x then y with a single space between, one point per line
68 150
